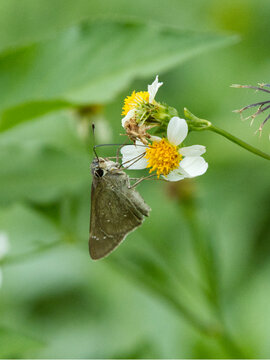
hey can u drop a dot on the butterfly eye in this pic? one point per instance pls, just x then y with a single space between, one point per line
99 172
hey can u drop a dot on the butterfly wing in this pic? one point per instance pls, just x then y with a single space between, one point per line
113 215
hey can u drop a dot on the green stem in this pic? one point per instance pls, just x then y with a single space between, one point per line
197 124
206 261
239 142
142 275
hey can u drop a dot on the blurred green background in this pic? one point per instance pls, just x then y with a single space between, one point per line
193 281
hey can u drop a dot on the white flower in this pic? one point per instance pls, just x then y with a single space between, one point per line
165 156
4 248
4 244
133 156
153 89
137 98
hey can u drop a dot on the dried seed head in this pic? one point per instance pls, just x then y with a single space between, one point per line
137 132
261 106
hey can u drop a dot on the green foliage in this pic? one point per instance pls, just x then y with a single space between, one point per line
15 345
74 68
193 280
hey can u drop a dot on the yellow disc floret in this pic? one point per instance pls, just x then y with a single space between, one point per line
135 100
162 157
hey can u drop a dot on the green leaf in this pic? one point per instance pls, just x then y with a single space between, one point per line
43 160
14 345
40 173
91 63
23 222
25 22
28 111
60 129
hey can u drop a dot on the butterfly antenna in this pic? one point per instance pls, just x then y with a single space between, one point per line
94 147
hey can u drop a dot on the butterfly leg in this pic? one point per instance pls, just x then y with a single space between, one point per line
141 179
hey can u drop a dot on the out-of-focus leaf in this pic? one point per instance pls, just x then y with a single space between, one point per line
28 111
28 21
143 349
59 129
260 251
36 230
150 273
14 345
40 173
74 67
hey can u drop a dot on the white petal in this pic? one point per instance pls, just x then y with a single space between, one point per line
153 89
193 166
134 164
194 150
177 130
129 116
155 138
132 156
174 176
4 244
133 150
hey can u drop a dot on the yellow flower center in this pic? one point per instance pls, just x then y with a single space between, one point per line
134 100
162 157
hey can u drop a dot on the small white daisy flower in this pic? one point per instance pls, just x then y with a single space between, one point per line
166 156
136 99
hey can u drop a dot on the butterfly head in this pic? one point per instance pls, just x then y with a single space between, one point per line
101 167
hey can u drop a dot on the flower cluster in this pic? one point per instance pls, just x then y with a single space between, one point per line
164 156
142 112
